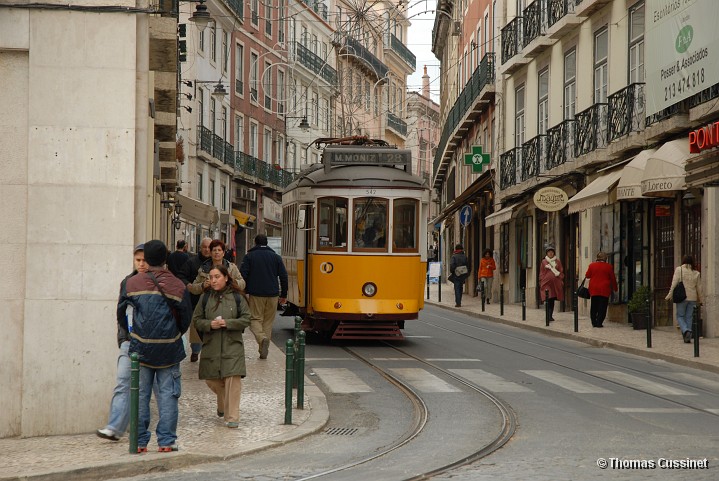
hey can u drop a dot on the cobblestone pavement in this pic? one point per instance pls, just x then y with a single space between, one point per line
667 342
202 436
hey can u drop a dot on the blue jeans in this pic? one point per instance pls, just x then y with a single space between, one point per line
685 314
120 404
169 388
458 290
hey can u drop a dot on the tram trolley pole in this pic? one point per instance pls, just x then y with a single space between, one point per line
695 329
481 292
289 374
300 372
134 400
501 299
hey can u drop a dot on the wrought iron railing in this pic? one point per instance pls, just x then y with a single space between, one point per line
205 140
534 21
401 50
676 109
316 64
349 45
237 6
482 77
590 129
532 152
626 111
560 147
511 39
704 96
399 125
557 9
218 147
508 163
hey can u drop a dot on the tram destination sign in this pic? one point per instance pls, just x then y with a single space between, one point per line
367 156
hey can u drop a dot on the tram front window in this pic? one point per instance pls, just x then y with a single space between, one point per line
404 230
332 231
370 223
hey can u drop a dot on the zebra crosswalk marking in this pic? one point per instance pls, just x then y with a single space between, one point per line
709 384
424 381
657 410
490 381
567 382
342 381
650 387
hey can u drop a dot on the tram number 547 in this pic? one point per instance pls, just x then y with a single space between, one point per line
370 191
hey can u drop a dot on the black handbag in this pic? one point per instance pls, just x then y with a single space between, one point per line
679 294
582 291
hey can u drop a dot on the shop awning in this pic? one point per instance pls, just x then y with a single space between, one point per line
630 184
197 212
244 219
502 215
664 173
477 186
600 191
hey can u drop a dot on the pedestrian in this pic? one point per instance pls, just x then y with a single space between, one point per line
222 316
487 266
177 260
217 258
551 278
459 272
188 275
602 282
266 277
691 278
162 314
119 416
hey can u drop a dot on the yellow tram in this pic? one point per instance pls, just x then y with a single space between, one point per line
355 241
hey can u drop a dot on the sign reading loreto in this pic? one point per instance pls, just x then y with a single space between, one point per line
550 199
684 55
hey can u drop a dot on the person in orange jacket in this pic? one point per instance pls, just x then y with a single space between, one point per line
487 267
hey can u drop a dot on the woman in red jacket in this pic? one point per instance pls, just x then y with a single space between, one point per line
602 282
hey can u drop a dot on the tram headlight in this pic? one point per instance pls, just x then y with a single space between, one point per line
369 289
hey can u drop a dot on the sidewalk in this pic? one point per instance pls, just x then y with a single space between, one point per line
667 343
202 436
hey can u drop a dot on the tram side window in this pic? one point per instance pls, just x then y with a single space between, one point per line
370 223
332 229
404 230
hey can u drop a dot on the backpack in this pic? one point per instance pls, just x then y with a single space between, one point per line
206 297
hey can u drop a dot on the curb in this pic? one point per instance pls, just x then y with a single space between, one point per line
643 352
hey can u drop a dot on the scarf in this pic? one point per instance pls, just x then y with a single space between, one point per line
552 265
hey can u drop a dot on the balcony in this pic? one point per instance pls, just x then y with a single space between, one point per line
560 146
626 111
315 64
402 51
237 6
472 101
590 129
561 18
397 124
585 8
318 7
534 26
512 43
668 121
532 152
508 173
350 46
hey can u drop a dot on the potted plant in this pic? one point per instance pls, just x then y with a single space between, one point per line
638 307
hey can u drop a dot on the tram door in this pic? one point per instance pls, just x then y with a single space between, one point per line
663 263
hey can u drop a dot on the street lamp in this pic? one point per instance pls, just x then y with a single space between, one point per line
201 17
304 125
219 91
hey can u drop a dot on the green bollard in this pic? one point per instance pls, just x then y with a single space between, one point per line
300 372
298 329
289 367
134 399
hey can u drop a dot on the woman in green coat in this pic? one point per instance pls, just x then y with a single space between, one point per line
221 317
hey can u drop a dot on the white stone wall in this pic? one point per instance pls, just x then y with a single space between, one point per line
67 177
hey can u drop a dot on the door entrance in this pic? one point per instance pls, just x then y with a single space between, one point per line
663 262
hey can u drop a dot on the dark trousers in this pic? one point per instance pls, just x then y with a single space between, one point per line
598 310
550 303
458 289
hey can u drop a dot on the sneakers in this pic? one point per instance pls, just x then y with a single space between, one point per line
142 449
232 425
167 449
264 348
107 434
194 357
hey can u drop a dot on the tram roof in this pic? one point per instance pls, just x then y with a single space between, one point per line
357 176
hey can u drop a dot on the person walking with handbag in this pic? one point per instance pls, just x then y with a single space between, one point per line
551 279
602 282
459 272
487 266
688 280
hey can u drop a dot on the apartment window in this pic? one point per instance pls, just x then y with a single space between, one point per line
570 84
201 106
253 139
254 59
477 49
367 97
267 85
223 197
202 41
636 44
224 122
268 18
601 68
325 115
304 36
315 109
212 115
486 29
213 44
267 147
519 116
495 30
281 92
225 51
254 7
239 69
212 192
200 187
280 150
338 20
239 134
543 108
323 51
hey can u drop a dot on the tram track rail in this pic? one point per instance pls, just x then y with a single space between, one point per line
569 367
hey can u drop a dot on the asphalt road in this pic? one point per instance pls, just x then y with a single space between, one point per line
578 408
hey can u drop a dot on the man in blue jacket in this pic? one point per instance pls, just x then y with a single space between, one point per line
266 278
162 313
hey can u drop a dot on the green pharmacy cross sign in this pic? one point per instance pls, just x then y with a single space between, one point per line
476 159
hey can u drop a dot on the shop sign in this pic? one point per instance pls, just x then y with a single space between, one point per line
477 159
662 211
550 199
705 138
